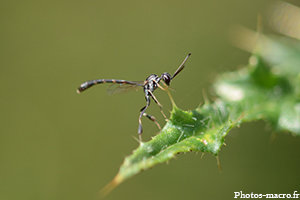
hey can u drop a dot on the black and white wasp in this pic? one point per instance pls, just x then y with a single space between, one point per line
149 85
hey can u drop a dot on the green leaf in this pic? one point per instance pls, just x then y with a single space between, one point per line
203 129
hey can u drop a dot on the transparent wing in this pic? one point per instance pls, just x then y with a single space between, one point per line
123 87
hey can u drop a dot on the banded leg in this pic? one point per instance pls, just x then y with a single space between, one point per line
152 118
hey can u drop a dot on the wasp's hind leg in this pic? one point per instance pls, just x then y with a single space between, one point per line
152 118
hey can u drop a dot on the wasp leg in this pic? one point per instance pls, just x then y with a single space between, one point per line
140 129
152 119
158 85
156 101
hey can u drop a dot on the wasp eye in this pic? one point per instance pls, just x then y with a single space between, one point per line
166 78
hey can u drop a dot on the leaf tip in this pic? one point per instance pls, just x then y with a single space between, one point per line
110 186
219 164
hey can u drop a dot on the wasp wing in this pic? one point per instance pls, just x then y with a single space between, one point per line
124 87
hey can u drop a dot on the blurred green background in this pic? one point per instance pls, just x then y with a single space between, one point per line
56 144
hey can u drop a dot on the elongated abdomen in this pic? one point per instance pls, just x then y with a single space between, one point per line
89 84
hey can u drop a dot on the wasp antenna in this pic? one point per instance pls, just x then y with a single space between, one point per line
180 68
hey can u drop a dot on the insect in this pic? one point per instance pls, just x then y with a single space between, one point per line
149 85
